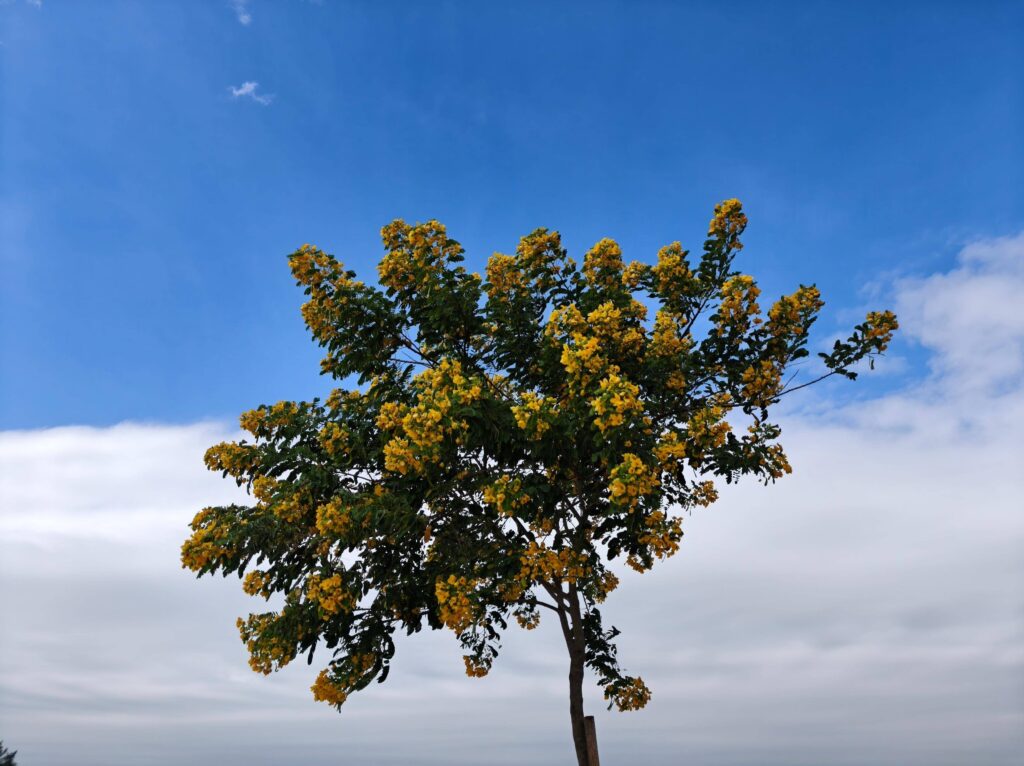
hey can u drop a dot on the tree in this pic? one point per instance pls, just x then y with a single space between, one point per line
6 756
508 439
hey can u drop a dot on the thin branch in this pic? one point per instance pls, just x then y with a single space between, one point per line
805 385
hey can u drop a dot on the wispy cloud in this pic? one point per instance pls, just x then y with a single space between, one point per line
241 9
248 90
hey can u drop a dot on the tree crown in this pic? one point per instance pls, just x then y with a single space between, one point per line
510 437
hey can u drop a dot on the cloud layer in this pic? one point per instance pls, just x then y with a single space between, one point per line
868 609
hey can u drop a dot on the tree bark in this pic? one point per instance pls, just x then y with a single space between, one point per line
591 729
579 733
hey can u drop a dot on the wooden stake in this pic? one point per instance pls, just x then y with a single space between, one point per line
591 731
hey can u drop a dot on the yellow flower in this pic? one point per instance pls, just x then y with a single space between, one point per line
617 401
788 315
330 594
667 339
728 222
739 305
326 689
631 480
672 274
602 264
761 383
455 607
632 695
475 668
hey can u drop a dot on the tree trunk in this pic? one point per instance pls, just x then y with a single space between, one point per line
579 733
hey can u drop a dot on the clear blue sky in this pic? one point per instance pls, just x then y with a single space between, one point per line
145 211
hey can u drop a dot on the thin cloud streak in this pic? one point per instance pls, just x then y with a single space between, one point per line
248 90
241 9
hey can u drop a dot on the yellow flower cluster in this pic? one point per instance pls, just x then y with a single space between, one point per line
589 343
565 322
267 418
536 413
412 249
542 564
672 273
455 607
204 546
292 508
474 668
617 401
334 690
339 397
237 459
761 383
728 221
630 480
739 305
676 381
787 315
251 420
333 438
330 288
774 463
881 326
583 363
619 328
662 534
506 495
778 462
267 652
503 276
602 264
308 262
256 583
633 695
707 429
633 274
333 519
669 450
263 488
704 493
390 416
539 253
326 689
528 619
667 338
330 594
420 429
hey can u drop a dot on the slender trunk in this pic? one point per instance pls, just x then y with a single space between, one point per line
579 733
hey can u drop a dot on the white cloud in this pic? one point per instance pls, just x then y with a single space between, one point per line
971 316
249 89
868 609
241 9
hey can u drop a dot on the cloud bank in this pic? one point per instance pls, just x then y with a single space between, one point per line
868 609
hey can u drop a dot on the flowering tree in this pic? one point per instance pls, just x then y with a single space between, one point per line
511 437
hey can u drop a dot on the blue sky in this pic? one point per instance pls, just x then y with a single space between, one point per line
146 211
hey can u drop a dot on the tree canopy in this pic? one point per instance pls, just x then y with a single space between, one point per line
498 443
